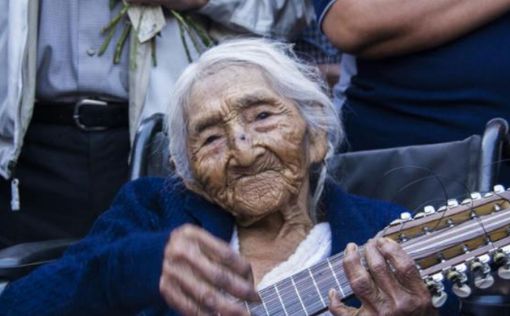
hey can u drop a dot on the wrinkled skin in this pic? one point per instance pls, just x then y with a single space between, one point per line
180 5
250 151
246 144
381 290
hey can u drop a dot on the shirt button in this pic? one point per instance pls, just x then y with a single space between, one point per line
91 52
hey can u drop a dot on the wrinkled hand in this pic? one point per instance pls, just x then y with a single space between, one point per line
203 276
179 5
383 289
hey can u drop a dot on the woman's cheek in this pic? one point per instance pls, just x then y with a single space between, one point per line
212 163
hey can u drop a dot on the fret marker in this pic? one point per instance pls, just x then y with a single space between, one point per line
299 296
334 275
316 287
280 298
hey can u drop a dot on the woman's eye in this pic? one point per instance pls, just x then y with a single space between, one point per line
211 139
262 115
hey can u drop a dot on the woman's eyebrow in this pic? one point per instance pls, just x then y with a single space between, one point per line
253 99
246 101
201 124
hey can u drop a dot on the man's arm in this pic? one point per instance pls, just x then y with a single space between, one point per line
383 28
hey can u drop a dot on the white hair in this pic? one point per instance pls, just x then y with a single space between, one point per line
289 77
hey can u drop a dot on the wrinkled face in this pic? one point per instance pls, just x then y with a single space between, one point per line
248 146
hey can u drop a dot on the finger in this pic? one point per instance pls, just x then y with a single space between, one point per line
405 270
219 276
177 299
380 271
220 251
359 278
207 297
336 307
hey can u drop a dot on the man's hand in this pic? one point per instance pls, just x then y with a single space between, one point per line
180 5
203 276
390 286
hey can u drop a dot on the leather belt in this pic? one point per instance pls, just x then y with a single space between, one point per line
86 114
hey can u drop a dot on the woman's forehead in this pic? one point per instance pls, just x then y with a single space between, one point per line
228 89
227 80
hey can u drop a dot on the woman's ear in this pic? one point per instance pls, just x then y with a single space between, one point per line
318 146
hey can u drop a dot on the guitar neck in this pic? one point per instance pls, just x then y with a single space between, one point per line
304 293
460 235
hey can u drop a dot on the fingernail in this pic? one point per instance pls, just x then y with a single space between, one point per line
332 294
352 247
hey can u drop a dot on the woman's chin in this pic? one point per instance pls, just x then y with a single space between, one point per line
260 203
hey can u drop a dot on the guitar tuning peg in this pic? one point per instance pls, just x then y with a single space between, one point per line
484 282
419 215
459 280
504 272
466 201
429 209
502 260
452 202
436 288
498 188
406 216
476 195
481 270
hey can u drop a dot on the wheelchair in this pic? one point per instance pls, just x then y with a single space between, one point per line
412 176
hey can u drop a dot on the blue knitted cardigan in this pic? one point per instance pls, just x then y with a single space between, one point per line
115 269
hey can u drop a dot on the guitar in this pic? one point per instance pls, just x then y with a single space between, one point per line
445 244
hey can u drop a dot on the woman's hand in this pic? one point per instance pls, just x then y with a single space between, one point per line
390 286
203 276
179 5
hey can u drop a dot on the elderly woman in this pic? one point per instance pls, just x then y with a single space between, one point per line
250 127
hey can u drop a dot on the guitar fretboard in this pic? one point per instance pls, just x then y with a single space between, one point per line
304 293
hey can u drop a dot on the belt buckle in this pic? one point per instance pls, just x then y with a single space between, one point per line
76 114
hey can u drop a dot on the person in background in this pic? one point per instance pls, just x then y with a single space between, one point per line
70 102
418 72
313 46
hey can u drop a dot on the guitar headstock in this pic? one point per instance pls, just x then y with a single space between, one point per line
458 238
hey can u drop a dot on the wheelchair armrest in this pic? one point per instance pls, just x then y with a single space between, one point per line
18 260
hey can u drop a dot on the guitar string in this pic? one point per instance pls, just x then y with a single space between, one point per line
320 270
438 178
445 194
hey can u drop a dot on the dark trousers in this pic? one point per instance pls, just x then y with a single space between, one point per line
67 178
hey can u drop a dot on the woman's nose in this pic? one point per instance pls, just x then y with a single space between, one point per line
241 146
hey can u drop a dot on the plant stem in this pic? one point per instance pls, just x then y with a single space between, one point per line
106 42
116 19
201 32
153 52
121 43
184 43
